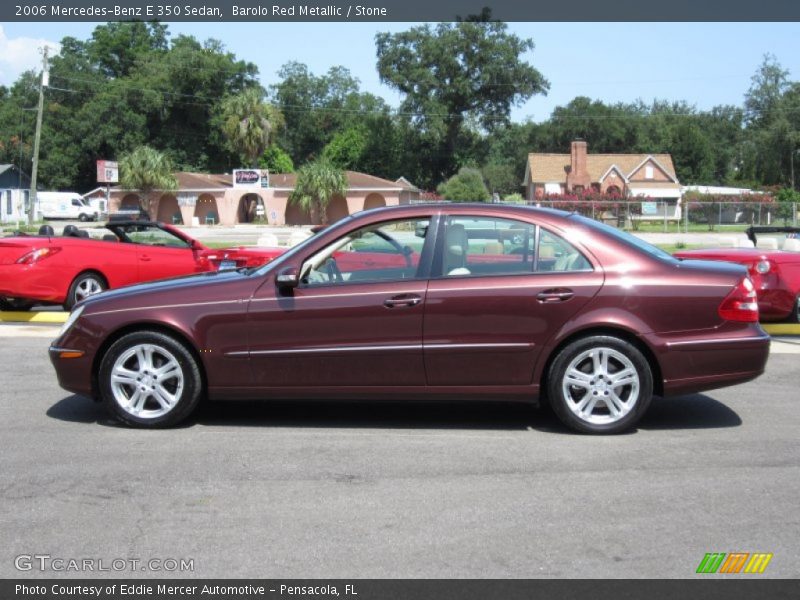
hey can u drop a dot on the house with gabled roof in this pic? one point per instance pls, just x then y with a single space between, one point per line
649 176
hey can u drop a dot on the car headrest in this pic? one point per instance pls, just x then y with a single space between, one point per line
70 231
82 233
46 230
109 237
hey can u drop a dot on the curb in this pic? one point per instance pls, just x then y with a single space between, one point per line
781 328
33 317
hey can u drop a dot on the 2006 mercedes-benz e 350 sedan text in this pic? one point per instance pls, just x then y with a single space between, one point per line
455 302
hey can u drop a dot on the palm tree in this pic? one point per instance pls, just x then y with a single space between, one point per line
248 123
317 183
146 169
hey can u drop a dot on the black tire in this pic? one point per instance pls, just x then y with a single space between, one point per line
83 218
119 397
611 408
82 287
794 317
15 304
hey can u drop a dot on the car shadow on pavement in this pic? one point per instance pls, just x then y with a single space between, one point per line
696 411
686 412
77 409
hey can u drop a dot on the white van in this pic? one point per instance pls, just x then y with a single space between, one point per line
65 205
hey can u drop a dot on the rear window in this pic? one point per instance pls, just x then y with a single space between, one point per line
626 238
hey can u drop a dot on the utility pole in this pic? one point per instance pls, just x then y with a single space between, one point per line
43 82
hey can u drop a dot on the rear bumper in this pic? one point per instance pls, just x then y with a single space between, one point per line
33 282
775 304
703 363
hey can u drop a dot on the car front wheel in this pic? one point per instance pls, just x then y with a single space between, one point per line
149 379
600 384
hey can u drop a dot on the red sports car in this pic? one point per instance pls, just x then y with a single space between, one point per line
775 272
68 268
423 302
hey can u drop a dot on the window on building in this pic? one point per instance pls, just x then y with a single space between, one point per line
648 172
9 205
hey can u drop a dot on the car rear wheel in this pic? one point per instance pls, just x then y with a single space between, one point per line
795 316
149 379
84 285
600 384
20 304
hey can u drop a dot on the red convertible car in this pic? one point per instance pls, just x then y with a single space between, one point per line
775 272
424 302
68 268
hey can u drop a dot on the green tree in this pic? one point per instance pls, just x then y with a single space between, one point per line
317 107
456 77
317 183
347 148
146 170
465 186
249 124
772 131
276 160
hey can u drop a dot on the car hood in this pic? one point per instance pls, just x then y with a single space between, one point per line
171 290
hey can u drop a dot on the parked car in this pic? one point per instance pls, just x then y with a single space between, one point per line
423 302
775 271
69 268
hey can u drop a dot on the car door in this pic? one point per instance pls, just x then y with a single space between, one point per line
355 317
500 288
160 253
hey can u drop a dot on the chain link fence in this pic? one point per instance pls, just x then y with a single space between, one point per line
672 216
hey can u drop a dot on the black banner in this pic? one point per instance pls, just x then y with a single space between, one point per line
396 589
398 10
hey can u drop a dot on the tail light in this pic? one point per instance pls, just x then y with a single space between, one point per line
37 255
741 304
762 267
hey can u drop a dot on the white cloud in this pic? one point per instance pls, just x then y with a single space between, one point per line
20 54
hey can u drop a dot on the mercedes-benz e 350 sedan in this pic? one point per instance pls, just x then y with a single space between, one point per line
426 302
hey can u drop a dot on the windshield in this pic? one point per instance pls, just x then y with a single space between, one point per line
626 238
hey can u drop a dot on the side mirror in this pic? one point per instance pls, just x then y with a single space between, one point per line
287 278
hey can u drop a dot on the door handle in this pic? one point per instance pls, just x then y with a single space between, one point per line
555 295
144 258
402 301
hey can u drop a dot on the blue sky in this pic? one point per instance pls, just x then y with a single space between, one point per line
705 64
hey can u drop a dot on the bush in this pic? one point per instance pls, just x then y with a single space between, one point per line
466 186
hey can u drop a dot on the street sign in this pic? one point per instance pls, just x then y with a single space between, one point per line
107 171
250 178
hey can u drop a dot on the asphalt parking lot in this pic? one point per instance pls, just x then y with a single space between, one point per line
360 491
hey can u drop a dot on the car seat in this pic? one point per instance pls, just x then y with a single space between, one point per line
46 230
70 231
455 250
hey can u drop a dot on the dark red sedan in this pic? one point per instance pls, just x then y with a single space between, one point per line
456 302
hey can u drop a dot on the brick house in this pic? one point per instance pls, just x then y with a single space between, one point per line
627 175
203 198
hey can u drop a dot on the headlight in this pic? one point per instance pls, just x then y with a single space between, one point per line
762 267
71 320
